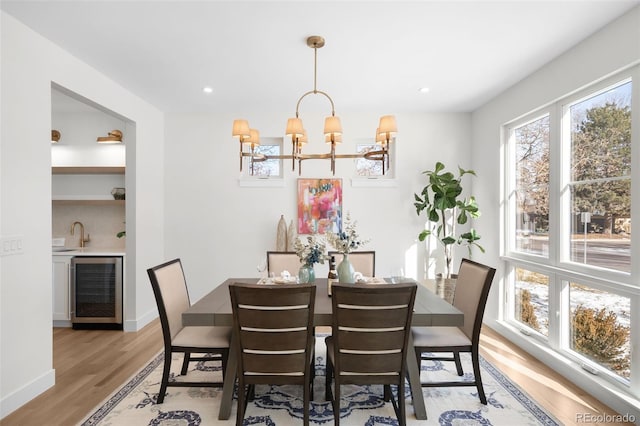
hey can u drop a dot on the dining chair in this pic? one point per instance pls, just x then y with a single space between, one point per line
275 339
212 342
368 344
470 297
278 261
362 261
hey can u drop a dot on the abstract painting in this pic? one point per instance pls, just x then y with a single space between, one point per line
319 205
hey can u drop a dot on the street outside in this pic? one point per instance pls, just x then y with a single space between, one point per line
610 253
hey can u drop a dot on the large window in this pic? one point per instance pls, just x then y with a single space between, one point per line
568 224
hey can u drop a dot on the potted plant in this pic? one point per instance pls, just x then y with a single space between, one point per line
445 208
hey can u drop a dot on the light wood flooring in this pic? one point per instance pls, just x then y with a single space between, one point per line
90 365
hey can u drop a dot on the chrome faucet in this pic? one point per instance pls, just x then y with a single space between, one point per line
82 239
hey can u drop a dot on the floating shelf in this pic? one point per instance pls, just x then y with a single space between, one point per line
89 202
88 170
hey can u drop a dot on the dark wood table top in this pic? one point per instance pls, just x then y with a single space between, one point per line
215 307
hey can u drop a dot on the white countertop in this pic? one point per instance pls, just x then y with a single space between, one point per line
88 251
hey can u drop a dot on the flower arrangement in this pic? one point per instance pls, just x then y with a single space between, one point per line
347 240
311 252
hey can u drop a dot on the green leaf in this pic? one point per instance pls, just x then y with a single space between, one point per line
424 234
448 240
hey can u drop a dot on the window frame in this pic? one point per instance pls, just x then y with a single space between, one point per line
560 270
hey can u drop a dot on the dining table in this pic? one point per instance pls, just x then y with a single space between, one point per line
215 309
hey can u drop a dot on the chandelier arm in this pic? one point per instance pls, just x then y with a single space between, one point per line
333 110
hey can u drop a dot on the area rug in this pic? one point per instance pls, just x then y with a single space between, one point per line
135 403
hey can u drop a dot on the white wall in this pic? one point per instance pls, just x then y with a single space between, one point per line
30 64
609 50
221 230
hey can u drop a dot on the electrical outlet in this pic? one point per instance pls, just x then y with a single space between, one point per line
11 245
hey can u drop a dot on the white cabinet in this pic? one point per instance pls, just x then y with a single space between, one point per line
62 289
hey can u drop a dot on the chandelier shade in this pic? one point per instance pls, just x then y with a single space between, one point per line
332 131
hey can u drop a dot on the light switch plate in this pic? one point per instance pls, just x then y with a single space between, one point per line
11 245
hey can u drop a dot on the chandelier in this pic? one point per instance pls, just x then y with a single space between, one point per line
250 138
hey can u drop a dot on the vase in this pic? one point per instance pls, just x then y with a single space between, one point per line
292 236
345 270
281 235
306 274
446 287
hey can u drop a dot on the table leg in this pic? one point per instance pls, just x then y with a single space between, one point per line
229 380
413 371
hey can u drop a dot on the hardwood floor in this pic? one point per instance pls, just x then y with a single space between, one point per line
90 365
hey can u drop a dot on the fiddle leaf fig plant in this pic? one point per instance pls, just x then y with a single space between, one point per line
444 207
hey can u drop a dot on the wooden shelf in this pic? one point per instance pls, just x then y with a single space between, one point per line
89 202
89 170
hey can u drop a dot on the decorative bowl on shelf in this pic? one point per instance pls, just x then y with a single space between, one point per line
118 193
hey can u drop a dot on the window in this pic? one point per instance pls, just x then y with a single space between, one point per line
266 168
531 303
266 172
368 168
567 231
531 194
600 328
600 182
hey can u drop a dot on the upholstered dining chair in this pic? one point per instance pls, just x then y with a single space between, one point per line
278 261
362 261
368 344
470 297
275 339
212 342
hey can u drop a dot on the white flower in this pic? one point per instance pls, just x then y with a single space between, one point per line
347 240
314 251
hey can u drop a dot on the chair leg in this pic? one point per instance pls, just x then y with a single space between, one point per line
327 381
242 404
223 359
402 416
456 358
185 363
336 403
475 360
306 400
165 377
387 393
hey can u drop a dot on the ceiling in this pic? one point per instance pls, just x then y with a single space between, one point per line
377 56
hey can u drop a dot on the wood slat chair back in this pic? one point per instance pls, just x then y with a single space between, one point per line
368 345
274 326
362 261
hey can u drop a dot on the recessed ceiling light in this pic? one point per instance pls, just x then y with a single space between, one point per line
424 90
207 90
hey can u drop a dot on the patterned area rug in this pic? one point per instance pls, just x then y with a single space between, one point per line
135 403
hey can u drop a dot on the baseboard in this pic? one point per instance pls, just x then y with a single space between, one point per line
139 323
26 393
